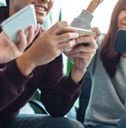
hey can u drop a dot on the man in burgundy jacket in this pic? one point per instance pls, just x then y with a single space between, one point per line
40 66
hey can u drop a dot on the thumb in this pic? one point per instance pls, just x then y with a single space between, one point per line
22 44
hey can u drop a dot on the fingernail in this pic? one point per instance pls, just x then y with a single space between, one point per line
77 35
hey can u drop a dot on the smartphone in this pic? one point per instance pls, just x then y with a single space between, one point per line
20 20
83 32
120 41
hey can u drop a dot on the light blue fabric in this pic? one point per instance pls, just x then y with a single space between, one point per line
83 20
105 104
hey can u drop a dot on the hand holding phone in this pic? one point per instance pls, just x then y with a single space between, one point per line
20 20
81 32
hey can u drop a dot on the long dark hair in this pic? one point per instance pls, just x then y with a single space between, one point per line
109 56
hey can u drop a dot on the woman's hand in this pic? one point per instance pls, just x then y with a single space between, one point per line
97 31
11 50
82 54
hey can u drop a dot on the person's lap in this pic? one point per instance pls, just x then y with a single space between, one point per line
40 121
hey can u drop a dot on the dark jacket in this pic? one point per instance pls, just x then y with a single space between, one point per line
58 93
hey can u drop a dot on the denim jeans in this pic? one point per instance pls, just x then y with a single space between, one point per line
40 121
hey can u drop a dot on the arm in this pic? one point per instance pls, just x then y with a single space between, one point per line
85 18
57 89
12 84
58 93
93 5
14 78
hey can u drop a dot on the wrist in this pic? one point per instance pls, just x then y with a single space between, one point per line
77 75
25 65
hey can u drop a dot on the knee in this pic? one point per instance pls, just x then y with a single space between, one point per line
62 123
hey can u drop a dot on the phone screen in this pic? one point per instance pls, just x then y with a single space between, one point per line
120 41
17 21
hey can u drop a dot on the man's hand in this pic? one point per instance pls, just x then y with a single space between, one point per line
11 50
82 55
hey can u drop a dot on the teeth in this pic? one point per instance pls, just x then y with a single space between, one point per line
42 9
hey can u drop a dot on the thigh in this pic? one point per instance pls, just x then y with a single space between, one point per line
26 121
62 122
40 121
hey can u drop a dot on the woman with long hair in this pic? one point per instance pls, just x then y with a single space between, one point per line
108 94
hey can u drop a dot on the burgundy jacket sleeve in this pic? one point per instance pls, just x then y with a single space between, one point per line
12 84
58 93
